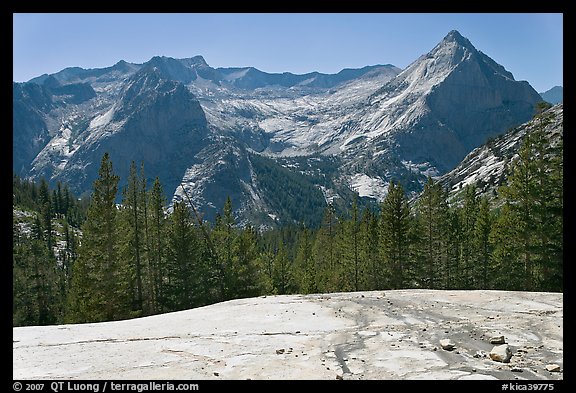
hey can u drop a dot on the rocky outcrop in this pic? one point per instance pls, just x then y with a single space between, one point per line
501 353
155 121
357 335
488 165
30 103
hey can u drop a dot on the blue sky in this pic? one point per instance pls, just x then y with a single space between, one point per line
529 45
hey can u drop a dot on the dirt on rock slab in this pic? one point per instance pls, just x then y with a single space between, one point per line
393 334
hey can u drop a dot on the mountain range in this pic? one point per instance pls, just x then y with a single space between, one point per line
554 95
281 146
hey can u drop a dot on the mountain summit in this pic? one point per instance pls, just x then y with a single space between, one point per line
265 138
446 103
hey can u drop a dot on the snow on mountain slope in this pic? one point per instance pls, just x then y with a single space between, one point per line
488 165
381 123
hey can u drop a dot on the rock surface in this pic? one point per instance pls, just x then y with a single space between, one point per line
447 344
498 340
357 335
553 368
501 353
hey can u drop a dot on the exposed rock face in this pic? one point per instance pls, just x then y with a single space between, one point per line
379 123
488 165
454 99
358 335
30 134
501 353
154 120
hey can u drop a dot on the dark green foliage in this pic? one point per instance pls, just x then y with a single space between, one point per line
44 250
101 283
294 196
181 271
141 258
394 240
431 230
35 296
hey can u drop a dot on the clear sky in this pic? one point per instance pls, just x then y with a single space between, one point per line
529 45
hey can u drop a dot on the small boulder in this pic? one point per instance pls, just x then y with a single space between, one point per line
480 354
501 353
497 340
447 344
279 351
553 368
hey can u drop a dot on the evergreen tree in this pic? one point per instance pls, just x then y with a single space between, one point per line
432 218
370 250
132 243
156 235
394 226
350 249
534 192
453 268
282 275
305 262
325 255
224 238
468 257
181 289
482 245
35 296
100 285
506 265
246 270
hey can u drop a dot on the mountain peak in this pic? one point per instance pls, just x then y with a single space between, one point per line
455 37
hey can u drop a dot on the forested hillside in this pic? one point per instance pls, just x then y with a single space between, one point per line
94 260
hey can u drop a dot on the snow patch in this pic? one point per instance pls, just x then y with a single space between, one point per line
371 187
103 119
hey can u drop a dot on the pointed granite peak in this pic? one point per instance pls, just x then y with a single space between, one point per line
456 37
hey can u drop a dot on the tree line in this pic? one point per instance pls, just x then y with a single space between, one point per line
140 258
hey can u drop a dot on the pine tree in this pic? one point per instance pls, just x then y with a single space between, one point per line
181 289
534 192
35 295
507 267
394 226
354 235
282 275
482 246
325 253
305 262
133 236
432 218
453 267
246 269
100 285
156 252
224 238
468 260
370 250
